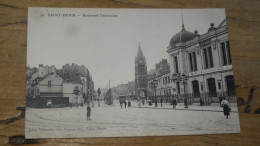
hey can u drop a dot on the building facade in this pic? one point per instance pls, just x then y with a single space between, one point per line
78 76
56 87
140 75
48 92
200 65
161 75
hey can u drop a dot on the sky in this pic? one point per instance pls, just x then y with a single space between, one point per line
107 46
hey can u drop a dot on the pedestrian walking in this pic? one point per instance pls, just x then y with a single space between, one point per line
220 100
161 101
125 103
155 102
88 112
121 103
201 102
143 102
129 103
174 103
150 102
139 103
225 105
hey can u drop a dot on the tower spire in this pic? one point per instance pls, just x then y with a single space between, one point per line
139 53
182 22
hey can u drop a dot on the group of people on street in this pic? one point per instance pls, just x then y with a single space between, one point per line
223 103
125 103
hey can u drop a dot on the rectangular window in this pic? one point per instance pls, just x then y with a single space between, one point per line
176 64
208 58
219 85
205 58
228 53
201 86
223 50
226 56
193 61
191 64
169 80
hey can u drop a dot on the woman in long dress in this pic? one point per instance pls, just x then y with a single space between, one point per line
224 104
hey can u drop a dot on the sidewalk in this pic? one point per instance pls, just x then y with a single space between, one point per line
180 106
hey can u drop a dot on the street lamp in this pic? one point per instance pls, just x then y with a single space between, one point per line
154 85
99 92
184 78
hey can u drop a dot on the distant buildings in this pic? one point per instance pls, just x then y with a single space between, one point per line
51 86
161 74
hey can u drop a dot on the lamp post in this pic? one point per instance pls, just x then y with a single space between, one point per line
99 92
129 95
137 83
184 78
154 86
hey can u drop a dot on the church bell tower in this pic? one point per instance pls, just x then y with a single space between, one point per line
140 75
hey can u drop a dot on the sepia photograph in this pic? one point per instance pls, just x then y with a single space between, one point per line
128 72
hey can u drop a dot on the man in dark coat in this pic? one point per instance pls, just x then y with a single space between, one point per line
129 103
125 103
174 103
88 112
201 102
161 101
121 104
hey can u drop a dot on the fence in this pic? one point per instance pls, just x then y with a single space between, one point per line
207 98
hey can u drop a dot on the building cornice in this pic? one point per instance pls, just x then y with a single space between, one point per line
215 33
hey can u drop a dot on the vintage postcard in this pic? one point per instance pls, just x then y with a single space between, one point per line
128 72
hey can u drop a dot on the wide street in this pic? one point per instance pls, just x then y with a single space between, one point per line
111 121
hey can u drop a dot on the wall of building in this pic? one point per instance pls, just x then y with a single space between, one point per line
68 89
44 70
56 85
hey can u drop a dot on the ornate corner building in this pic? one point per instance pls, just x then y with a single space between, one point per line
140 75
200 65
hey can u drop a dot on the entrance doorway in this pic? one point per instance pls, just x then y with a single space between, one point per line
212 87
230 86
196 90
